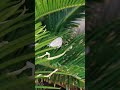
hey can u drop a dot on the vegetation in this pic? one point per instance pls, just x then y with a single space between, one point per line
57 67
64 67
16 35
102 38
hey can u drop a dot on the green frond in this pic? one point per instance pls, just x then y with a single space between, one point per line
13 23
65 67
45 7
72 66
65 19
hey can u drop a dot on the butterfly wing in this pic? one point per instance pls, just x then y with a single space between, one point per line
56 43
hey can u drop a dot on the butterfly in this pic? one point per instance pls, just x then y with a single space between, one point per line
56 43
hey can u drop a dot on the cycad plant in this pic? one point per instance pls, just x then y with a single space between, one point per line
103 40
16 34
59 54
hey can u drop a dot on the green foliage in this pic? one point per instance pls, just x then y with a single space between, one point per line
66 66
45 7
15 35
103 61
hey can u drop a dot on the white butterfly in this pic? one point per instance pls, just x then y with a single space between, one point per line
56 43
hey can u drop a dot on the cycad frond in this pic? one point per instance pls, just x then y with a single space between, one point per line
64 19
68 65
64 66
13 22
45 7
